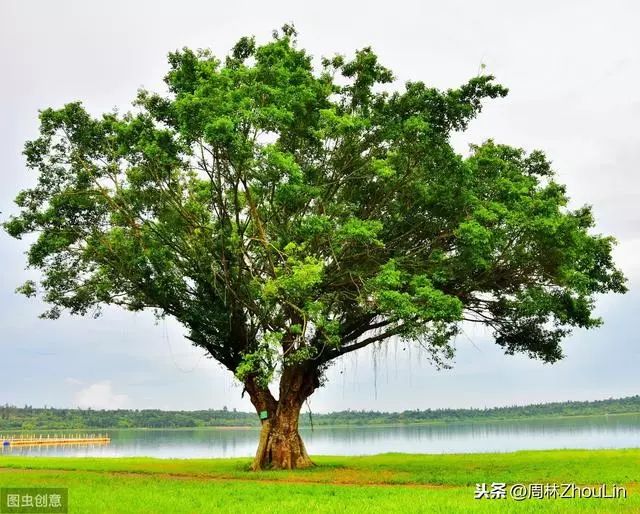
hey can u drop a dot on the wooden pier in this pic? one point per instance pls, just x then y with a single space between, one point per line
52 440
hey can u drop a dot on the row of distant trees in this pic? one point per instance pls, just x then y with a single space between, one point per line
29 418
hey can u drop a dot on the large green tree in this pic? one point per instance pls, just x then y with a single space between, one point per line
287 215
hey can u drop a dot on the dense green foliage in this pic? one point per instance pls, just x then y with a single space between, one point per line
28 418
287 214
377 484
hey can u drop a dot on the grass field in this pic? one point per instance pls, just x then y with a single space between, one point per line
382 483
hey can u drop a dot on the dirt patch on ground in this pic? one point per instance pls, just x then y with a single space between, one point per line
335 477
342 478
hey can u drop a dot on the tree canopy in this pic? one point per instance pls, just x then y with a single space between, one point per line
287 214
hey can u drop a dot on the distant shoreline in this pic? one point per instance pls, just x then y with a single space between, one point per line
356 425
28 419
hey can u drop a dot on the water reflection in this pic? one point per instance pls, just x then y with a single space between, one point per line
592 432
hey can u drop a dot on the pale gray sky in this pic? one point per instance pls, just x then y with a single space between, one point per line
573 69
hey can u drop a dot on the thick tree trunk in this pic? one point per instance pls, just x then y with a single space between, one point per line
280 445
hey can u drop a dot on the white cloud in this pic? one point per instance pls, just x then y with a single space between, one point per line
626 257
100 396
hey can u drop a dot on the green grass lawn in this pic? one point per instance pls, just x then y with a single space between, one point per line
381 483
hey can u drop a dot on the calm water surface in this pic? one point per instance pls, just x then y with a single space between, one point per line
591 432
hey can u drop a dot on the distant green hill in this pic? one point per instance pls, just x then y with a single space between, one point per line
29 418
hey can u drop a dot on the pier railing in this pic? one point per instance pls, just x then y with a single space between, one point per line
55 439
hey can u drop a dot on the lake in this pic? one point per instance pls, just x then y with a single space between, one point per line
612 431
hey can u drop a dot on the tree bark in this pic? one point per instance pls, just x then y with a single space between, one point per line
280 445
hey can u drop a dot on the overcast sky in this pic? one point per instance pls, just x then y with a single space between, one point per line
573 69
